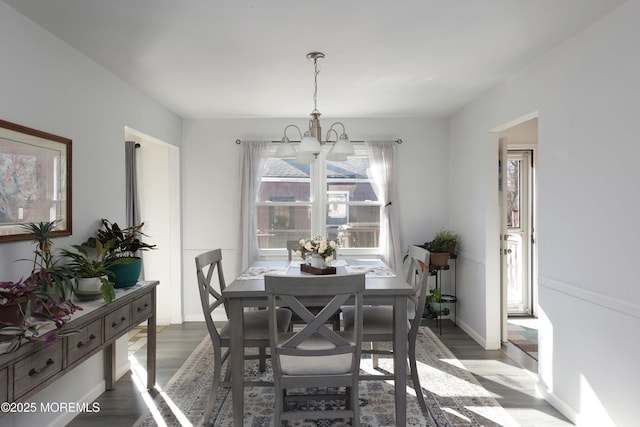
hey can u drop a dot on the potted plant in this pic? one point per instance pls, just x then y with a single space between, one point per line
14 297
449 237
123 253
42 298
439 250
90 265
59 278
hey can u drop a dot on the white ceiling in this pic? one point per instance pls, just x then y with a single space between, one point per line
247 58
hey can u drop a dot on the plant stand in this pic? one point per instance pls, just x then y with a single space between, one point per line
444 298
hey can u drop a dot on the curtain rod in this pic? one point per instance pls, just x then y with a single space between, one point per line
397 141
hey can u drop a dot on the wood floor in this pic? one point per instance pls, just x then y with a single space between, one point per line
509 374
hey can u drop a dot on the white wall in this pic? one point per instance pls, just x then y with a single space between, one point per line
211 173
586 94
48 86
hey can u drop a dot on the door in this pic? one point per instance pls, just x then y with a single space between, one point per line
517 215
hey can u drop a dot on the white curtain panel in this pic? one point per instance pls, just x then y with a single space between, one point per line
382 172
254 155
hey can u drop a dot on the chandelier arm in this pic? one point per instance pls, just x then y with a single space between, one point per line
292 126
344 131
329 133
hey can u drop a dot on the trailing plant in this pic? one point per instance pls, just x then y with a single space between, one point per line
49 289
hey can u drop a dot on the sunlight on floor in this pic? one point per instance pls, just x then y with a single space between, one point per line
139 378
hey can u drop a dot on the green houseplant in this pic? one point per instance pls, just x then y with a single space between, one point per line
124 245
42 298
90 264
439 250
449 237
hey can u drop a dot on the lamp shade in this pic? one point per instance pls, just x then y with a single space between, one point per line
341 149
285 149
305 158
309 144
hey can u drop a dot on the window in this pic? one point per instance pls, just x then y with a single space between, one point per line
336 199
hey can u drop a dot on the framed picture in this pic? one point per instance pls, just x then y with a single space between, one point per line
35 184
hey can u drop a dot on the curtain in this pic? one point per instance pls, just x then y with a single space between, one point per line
254 155
133 205
382 173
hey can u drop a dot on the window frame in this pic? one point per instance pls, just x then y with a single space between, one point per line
318 205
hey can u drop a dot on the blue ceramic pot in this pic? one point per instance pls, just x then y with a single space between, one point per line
126 275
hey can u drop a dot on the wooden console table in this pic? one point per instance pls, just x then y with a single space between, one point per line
36 365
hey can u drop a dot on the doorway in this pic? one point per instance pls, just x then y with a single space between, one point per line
519 235
518 249
159 198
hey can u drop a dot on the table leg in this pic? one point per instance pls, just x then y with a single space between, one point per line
400 357
151 345
237 356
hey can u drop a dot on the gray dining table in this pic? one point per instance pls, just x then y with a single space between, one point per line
382 287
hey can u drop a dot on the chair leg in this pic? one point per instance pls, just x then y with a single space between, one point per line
374 357
413 367
278 407
262 352
354 401
213 393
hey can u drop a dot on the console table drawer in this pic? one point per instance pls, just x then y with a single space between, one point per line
142 308
117 322
84 342
4 385
30 372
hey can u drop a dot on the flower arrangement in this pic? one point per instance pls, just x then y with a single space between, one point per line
317 245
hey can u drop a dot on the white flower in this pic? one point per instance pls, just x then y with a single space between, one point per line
308 246
332 244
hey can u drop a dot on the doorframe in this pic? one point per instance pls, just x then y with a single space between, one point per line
494 244
171 291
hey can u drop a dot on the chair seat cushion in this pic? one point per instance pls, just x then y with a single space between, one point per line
256 324
375 319
316 365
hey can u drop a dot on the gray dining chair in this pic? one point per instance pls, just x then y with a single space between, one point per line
314 357
378 321
292 247
256 330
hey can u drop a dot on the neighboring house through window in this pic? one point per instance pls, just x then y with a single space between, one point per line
333 199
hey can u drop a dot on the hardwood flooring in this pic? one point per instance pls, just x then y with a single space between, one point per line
509 374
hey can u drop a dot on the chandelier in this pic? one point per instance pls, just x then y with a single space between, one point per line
311 142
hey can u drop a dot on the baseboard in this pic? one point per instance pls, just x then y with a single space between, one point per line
123 369
65 417
553 400
472 333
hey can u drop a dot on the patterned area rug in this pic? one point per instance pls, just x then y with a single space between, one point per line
524 337
453 395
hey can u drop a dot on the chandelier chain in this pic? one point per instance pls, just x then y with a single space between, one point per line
315 85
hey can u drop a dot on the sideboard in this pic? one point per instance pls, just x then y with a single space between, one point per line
35 365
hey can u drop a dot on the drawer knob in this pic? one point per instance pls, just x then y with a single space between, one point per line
35 371
144 307
116 324
91 338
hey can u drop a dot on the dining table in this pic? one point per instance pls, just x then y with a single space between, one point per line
382 287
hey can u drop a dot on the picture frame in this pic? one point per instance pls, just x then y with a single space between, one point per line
35 181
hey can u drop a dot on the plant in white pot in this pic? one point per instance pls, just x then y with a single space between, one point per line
90 265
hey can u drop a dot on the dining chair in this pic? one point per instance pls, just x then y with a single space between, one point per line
315 357
256 330
292 247
378 321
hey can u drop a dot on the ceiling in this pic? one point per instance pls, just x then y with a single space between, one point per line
247 58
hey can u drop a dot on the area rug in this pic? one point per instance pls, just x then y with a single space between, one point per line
453 395
525 338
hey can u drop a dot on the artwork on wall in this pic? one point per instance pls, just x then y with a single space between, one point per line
35 184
